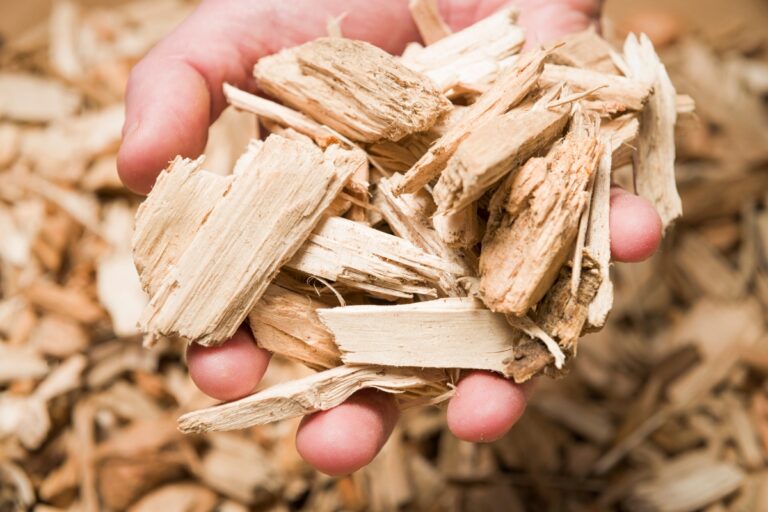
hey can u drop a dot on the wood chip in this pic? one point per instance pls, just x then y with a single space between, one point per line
655 156
353 87
510 88
317 392
431 25
179 302
534 219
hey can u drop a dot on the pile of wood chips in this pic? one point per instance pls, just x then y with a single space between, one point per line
665 409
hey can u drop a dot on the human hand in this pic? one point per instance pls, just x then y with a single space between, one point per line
175 93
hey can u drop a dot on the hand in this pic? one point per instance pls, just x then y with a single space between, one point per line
175 93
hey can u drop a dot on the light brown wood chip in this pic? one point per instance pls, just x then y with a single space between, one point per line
615 94
442 333
472 57
534 220
316 392
207 246
286 323
367 259
353 87
493 150
431 25
655 155
511 87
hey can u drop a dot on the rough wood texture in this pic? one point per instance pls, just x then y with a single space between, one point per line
493 150
353 87
316 392
598 242
461 229
534 219
266 109
586 50
511 87
408 216
426 15
432 334
471 58
203 262
562 315
286 323
655 155
611 93
622 133
367 259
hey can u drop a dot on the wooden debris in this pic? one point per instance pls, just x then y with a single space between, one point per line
586 50
461 229
493 150
317 392
179 303
598 243
29 98
286 323
426 14
472 58
363 258
534 218
509 89
444 327
353 87
408 216
655 156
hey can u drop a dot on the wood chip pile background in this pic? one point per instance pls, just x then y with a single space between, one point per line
666 408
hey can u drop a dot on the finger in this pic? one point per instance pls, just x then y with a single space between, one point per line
549 20
635 227
485 407
230 371
346 438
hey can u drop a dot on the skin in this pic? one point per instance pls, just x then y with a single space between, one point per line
174 94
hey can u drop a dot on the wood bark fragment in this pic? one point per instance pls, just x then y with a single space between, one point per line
494 149
655 155
426 15
353 87
287 185
511 87
317 392
534 219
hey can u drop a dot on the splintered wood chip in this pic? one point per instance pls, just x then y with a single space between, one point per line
353 87
194 219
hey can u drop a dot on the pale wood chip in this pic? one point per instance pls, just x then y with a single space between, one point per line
317 392
426 14
655 155
286 186
512 85
353 87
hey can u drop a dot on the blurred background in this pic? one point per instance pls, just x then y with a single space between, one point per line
665 409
